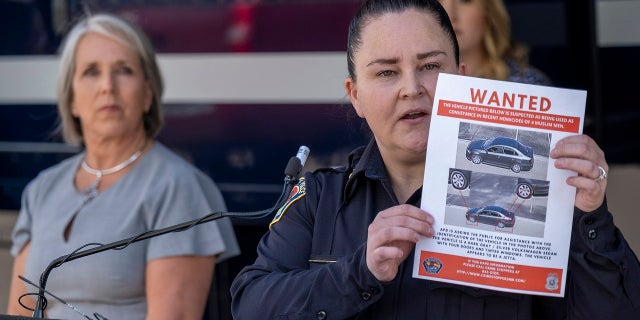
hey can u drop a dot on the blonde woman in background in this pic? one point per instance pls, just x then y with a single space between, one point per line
483 29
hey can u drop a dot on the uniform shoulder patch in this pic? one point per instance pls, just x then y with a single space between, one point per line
297 192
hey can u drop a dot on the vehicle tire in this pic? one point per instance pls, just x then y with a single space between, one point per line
524 191
516 168
500 224
476 159
459 180
472 219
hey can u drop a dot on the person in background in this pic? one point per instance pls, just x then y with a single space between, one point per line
483 30
124 183
343 246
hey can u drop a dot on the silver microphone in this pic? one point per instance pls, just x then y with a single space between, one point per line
303 154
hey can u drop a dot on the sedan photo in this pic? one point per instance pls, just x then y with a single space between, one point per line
493 215
501 152
528 188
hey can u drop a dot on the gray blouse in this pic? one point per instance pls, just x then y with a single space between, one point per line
161 190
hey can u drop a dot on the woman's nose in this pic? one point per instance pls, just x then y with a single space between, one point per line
412 86
108 83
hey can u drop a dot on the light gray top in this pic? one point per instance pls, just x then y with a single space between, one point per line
161 190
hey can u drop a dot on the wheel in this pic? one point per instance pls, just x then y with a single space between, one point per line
476 159
500 224
524 191
459 180
516 168
472 219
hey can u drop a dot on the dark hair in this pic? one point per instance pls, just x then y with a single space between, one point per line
375 8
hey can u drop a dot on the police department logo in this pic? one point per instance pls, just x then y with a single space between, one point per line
432 265
552 282
297 192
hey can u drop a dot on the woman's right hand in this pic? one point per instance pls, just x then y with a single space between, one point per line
391 237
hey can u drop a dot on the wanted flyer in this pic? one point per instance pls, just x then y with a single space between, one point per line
503 212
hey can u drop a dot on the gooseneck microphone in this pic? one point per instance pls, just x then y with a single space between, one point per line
296 163
292 171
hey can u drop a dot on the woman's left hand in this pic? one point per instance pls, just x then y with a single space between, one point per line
581 154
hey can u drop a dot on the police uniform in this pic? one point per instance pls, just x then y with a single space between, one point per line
312 263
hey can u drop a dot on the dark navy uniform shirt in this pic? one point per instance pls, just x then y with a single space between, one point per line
311 264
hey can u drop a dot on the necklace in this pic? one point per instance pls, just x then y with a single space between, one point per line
92 190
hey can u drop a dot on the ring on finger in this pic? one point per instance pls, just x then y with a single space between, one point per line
602 176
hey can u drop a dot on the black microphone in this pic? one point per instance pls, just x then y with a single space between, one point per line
296 163
292 171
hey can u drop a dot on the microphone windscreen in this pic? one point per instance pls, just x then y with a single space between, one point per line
293 167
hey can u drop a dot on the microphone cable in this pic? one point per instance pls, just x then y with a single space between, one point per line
96 315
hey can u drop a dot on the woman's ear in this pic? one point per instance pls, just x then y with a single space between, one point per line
72 110
462 69
352 93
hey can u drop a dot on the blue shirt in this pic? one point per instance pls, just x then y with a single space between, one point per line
161 190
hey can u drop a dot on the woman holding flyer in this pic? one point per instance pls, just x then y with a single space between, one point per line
342 246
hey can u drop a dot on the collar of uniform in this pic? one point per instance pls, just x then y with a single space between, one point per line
370 162
367 162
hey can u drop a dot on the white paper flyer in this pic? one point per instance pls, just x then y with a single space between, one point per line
503 212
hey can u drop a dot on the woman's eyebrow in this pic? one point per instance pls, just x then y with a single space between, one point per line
420 56
383 61
430 54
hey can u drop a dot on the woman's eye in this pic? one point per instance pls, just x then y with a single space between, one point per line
125 70
91 72
385 73
430 66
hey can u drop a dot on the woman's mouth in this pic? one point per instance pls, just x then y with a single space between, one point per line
110 108
414 115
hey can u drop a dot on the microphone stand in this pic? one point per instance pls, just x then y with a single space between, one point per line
294 166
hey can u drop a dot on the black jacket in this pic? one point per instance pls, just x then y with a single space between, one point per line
311 264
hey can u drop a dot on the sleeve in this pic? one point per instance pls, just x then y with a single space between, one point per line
185 196
21 234
283 283
604 273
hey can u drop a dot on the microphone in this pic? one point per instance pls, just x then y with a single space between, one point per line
292 171
296 163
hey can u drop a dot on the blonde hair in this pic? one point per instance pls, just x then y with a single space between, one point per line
497 43
124 32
